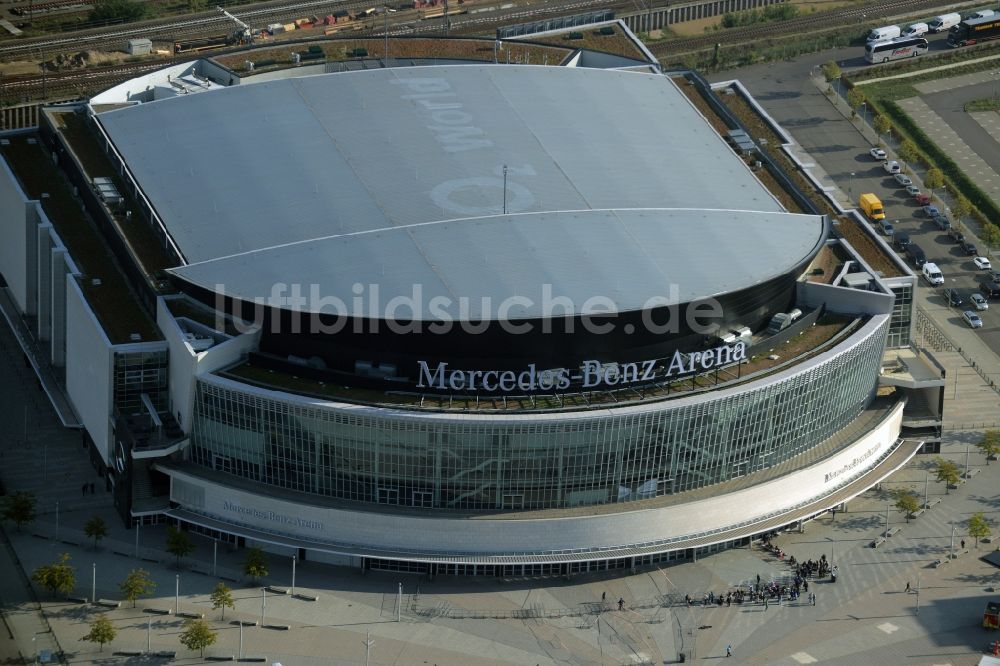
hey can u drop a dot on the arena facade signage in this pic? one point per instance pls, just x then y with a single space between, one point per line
590 375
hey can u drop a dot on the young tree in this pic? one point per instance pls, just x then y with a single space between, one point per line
179 544
96 529
990 234
947 471
831 70
855 98
137 584
58 577
906 502
908 152
882 125
933 180
118 11
962 207
222 597
989 444
19 508
101 631
255 565
978 527
197 635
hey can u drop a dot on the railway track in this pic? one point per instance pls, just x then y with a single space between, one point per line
867 14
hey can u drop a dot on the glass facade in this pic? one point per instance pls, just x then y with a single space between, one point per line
137 373
530 461
902 311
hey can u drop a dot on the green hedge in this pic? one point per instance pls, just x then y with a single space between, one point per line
935 156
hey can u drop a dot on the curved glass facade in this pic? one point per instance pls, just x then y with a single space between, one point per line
530 461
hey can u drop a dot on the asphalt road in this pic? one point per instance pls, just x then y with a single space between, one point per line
786 92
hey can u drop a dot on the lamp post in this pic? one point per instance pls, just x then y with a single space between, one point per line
887 504
927 481
93 583
918 595
263 605
399 602
295 558
240 653
967 447
952 553
177 593
368 646
149 627
850 187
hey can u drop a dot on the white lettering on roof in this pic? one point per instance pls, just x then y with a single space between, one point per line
452 126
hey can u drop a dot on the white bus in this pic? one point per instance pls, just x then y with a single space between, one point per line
894 49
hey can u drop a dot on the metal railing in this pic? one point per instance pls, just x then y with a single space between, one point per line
938 340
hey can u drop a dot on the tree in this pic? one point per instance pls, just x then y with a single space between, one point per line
907 502
934 179
978 527
58 577
179 544
947 471
962 207
855 98
989 444
222 597
137 584
908 152
255 564
990 234
882 125
197 635
101 631
831 70
20 508
95 529
118 11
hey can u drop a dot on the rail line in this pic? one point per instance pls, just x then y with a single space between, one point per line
868 13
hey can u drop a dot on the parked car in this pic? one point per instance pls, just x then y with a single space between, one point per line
969 249
979 301
953 297
982 263
891 166
877 153
942 222
972 319
931 211
887 228
956 235
992 276
901 239
912 190
903 179
990 289
922 199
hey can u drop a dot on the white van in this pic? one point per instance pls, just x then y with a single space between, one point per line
933 274
944 22
982 13
916 30
882 34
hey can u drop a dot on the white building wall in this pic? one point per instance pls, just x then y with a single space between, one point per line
415 533
89 369
186 364
13 231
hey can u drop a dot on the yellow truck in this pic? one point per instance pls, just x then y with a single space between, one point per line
872 207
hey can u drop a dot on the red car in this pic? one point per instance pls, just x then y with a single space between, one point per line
922 199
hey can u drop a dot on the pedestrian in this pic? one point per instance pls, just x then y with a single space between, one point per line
963 544
907 587
604 596
758 580
765 603
729 650
83 490
833 515
91 488
621 603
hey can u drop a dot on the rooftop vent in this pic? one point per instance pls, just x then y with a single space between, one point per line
95 282
135 337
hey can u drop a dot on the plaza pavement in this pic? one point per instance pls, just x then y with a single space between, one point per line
865 618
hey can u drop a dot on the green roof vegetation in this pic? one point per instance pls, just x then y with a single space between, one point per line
116 307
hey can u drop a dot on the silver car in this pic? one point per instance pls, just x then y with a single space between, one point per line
972 319
903 179
979 301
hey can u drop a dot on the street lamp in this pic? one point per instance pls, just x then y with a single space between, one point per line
850 187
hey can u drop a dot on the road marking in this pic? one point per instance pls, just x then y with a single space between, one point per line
888 627
804 658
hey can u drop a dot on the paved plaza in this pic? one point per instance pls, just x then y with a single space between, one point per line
866 617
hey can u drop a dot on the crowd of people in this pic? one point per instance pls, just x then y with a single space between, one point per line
774 591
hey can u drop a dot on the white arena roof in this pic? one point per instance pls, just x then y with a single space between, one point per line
396 177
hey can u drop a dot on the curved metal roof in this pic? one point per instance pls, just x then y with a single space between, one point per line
400 177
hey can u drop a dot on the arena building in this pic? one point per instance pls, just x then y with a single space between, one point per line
462 318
